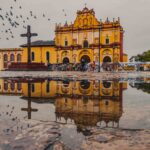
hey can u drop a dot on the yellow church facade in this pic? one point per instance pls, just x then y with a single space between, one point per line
87 39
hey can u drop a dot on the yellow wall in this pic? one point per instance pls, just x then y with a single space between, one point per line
73 88
40 54
9 90
40 89
15 52
88 25
125 58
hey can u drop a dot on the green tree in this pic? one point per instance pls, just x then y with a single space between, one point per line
145 57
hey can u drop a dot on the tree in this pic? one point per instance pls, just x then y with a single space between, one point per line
145 57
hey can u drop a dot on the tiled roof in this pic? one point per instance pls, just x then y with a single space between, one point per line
40 43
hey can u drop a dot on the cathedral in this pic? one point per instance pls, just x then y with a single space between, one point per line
90 39
86 39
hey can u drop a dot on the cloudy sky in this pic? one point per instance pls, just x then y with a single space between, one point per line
134 14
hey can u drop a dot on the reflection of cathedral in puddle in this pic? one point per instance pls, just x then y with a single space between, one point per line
87 103
90 103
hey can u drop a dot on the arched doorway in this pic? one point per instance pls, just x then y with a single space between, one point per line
85 59
5 60
66 83
106 63
107 59
66 60
84 84
12 58
106 84
5 57
19 58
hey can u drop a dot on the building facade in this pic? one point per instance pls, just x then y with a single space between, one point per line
90 39
8 56
41 52
87 39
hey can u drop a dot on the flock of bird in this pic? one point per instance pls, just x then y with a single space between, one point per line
10 20
17 125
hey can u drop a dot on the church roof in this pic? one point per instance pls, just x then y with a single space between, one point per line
40 43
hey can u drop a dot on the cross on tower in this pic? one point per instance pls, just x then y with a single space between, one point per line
29 109
85 4
29 35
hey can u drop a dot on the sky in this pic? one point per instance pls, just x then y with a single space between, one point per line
134 16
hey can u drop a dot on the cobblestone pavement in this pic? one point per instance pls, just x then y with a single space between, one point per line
115 139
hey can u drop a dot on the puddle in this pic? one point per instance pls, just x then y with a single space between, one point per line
77 106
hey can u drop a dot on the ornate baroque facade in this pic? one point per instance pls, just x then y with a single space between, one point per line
83 39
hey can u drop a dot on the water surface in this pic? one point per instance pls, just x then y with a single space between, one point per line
77 105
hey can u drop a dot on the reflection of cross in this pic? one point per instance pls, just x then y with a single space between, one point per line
29 109
29 35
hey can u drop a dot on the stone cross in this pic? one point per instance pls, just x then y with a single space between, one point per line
29 35
29 109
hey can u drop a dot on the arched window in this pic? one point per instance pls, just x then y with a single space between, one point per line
85 44
106 103
33 56
19 86
12 57
48 57
66 42
47 87
19 58
5 57
107 40
66 100
5 86
33 88
12 86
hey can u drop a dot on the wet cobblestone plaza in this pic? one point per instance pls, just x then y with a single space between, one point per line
74 111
